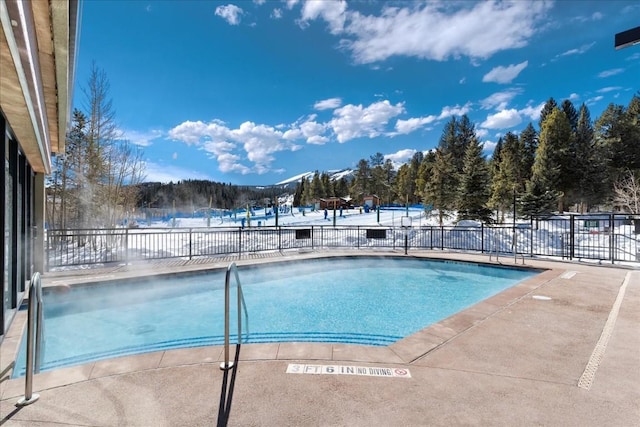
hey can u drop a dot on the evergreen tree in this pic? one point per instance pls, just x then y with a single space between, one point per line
572 115
378 178
424 172
341 189
529 143
474 185
556 135
298 194
327 185
389 180
548 107
541 196
307 194
360 184
440 191
317 191
504 182
588 163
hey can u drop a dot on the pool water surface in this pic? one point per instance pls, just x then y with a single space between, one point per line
354 300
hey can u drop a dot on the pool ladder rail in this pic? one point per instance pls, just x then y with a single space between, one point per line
35 326
233 269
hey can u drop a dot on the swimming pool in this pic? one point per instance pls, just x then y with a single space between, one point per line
355 300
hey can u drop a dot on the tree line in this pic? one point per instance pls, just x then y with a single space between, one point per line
570 162
199 194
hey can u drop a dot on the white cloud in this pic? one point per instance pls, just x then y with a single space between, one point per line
500 100
481 133
355 121
142 139
155 172
230 13
533 112
291 3
259 143
595 16
609 89
463 80
174 156
578 51
489 146
594 100
505 75
407 126
404 127
612 72
276 13
328 104
440 30
401 156
333 12
633 57
454 111
313 131
259 2
502 119
574 96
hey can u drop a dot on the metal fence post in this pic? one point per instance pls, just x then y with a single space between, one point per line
482 237
126 246
190 242
611 238
572 238
279 230
239 242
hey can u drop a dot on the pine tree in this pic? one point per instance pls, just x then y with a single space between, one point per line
341 189
317 191
548 107
503 182
529 142
588 161
327 185
556 135
360 184
572 115
424 171
440 192
474 185
541 195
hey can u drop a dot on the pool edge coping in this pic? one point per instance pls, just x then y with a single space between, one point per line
402 352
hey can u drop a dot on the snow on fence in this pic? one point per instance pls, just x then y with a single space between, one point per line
609 238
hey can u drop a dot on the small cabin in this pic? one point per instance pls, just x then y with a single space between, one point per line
371 201
334 203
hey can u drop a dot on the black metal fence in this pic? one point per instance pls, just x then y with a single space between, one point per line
611 238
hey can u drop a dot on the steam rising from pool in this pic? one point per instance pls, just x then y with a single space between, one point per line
355 300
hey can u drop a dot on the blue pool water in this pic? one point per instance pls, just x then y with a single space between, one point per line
356 300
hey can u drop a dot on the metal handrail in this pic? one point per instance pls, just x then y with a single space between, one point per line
232 268
35 326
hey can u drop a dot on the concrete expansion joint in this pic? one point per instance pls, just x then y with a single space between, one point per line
586 380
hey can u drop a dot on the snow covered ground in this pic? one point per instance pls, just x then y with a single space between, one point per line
188 237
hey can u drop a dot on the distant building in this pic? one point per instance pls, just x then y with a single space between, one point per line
372 201
37 57
334 203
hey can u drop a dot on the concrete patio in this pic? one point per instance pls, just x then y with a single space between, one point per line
514 359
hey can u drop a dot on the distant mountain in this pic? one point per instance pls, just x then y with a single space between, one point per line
333 175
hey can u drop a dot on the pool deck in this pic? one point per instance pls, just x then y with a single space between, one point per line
572 358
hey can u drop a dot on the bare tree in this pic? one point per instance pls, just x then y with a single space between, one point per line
627 192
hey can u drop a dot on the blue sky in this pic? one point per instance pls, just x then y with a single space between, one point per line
255 92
